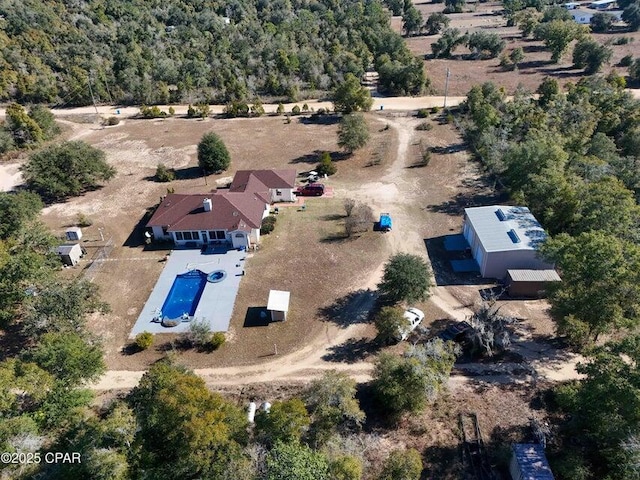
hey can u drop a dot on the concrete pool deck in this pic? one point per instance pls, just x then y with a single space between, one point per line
217 300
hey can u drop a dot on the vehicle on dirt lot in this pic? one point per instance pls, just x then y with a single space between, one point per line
311 190
455 332
413 317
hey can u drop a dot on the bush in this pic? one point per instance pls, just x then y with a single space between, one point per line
295 110
217 340
626 61
164 174
591 55
346 468
424 126
110 121
423 113
151 112
83 221
238 109
326 165
280 109
402 465
268 224
144 340
172 111
349 205
622 40
359 221
602 22
213 155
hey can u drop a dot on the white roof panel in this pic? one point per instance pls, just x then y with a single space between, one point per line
504 228
278 300
534 275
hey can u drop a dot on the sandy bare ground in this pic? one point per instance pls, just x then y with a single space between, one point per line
10 176
396 190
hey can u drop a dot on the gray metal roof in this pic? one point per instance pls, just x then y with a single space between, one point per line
502 228
532 461
66 249
534 275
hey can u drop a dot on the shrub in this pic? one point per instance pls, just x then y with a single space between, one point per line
626 61
151 112
199 333
402 465
424 126
217 340
144 340
423 113
305 108
591 55
280 109
83 221
236 109
164 174
622 40
268 224
172 111
360 220
326 165
349 205
295 110
110 121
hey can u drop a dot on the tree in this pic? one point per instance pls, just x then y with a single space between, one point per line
345 468
353 132
360 220
45 120
213 156
164 174
634 70
556 12
406 278
591 55
454 6
483 43
17 210
436 22
602 22
558 34
401 78
285 422
185 431
511 8
412 20
407 383
516 56
349 204
389 322
547 91
69 357
631 15
61 307
350 96
396 6
528 20
402 465
66 170
600 289
25 130
326 165
280 109
289 461
333 405
451 38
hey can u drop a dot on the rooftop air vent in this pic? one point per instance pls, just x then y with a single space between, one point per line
500 214
513 236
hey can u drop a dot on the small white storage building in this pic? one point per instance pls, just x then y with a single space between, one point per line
70 254
73 234
528 462
504 237
278 305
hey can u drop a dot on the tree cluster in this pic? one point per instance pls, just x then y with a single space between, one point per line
26 129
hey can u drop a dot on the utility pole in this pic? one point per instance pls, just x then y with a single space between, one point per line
93 99
446 87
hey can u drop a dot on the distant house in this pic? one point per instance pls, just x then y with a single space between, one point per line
231 216
602 4
70 253
583 17
504 237
277 185
528 462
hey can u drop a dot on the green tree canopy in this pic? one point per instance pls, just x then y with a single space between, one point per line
631 15
66 170
484 44
412 20
389 321
602 22
558 34
450 40
213 155
406 277
185 430
68 356
345 468
600 288
436 22
402 465
285 422
16 210
591 55
290 460
25 130
350 96
353 132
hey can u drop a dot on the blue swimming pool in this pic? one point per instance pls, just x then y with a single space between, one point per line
184 295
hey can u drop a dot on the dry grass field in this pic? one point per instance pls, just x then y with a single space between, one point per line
535 67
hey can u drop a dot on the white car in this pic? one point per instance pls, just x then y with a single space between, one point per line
413 317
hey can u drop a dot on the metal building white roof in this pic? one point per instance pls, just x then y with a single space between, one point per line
534 275
503 227
278 300
66 249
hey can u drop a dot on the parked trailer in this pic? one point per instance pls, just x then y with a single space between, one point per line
385 222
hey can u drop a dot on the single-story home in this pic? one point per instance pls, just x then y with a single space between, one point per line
277 185
528 462
503 237
583 17
202 219
70 253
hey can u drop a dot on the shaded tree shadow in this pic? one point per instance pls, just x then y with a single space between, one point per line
352 351
12 341
444 462
534 48
256 317
317 119
475 193
458 147
189 173
332 217
314 157
441 264
533 64
338 238
355 307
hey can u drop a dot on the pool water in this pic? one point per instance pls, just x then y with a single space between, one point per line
184 295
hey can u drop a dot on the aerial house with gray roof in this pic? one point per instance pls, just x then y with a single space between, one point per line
502 238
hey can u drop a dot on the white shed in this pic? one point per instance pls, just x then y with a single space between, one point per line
278 305
73 234
70 254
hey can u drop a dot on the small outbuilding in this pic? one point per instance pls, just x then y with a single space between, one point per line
530 283
503 237
73 234
278 305
70 253
528 462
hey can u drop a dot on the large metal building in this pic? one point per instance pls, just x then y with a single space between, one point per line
503 237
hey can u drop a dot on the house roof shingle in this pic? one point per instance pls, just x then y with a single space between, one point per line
257 180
